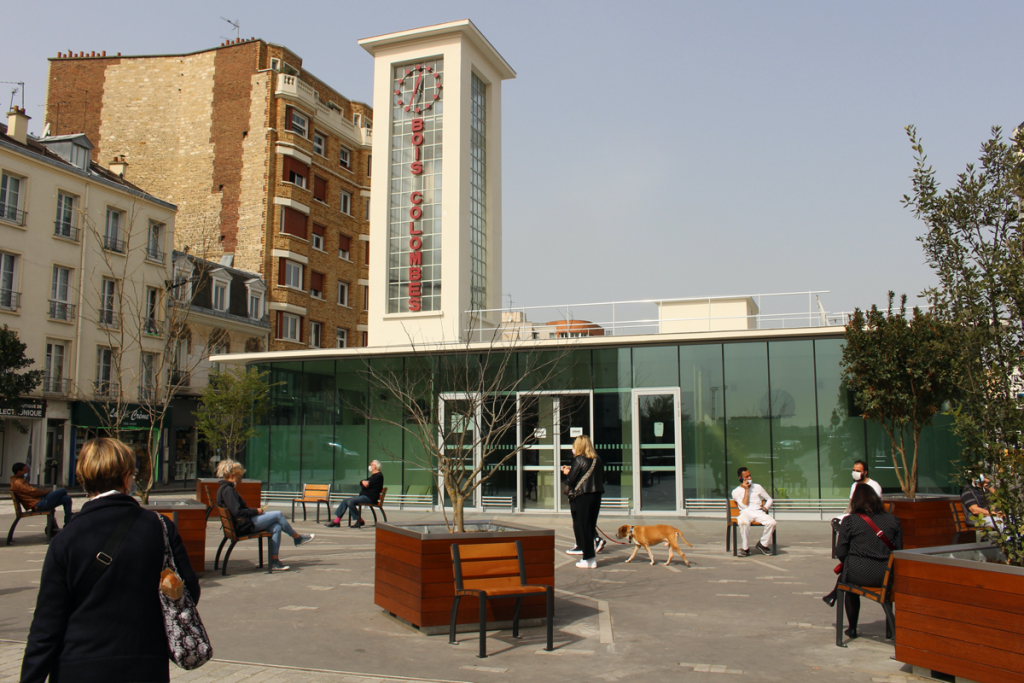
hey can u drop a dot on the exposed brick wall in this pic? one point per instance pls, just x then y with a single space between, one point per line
74 102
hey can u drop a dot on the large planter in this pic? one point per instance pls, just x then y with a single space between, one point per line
960 612
190 518
414 581
926 521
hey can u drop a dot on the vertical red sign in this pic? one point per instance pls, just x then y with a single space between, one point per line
415 214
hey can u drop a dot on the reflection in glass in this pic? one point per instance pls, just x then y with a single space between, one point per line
747 423
539 484
613 440
657 430
703 427
793 415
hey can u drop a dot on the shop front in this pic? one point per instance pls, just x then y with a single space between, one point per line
37 439
128 422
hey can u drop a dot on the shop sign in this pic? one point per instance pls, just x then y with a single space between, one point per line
104 415
29 408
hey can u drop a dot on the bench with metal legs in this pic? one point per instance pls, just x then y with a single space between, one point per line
20 512
880 594
228 524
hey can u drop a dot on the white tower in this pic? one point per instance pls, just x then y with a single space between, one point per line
435 211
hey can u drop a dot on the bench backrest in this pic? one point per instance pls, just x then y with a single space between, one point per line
227 522
211 494
17 504
734 513
316 491
960 518
887 580
380 498
488 566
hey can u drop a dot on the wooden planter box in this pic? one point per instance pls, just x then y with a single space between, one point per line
413 577
958 615
926 522
190 518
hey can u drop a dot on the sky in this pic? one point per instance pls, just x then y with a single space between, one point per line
657 149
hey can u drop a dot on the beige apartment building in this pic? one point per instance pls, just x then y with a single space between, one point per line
84 262
268 165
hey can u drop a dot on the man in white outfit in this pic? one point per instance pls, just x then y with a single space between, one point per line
750 497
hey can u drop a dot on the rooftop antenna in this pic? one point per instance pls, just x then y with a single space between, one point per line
14 91
236 24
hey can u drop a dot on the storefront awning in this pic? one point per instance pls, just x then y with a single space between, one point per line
101 415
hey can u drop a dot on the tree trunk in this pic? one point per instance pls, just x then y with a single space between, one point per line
458 513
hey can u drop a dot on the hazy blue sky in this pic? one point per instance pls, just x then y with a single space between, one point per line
657 149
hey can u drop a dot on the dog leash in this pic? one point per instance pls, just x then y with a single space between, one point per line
609 537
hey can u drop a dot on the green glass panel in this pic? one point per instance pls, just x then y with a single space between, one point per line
938 457
285 459
656 366
498 436
257 454
348 447
318 398
613 440
841 434
656 416
613 368
703 428
286 394
538 472
794 425
746 399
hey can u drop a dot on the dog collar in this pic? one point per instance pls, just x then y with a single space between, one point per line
630 534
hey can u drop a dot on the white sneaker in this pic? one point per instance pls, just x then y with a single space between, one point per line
587 564
574 551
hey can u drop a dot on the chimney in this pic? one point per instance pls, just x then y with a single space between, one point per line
118 166
17 124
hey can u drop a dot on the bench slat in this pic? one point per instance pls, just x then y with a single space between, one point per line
478 551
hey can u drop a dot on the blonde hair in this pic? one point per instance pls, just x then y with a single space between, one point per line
103 464
225 468
582 446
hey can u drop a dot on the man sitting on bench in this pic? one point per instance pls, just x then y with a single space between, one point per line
748 497
368 495
39 500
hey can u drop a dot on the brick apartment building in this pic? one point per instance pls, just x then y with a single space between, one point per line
269 167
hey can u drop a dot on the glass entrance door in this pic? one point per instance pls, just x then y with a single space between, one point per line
549 424
657 449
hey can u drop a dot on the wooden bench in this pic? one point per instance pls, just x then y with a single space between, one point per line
495 570
211 498
732 526
881 594
227 523
962 521
379 505
20 511
313 493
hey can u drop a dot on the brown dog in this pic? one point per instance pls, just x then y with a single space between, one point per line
647 536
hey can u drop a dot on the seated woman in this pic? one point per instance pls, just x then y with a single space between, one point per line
250 520
863 553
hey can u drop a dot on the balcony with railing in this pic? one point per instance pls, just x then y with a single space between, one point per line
153 327
65 230
154 255
9 300
114 244
55 385
147 395
180 378
327 113
62 311
107 317
104 388
12 214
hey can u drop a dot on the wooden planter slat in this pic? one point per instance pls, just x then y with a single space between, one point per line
414 578
967 596
953 629
976 616
926 522
969 654
961 577
944 663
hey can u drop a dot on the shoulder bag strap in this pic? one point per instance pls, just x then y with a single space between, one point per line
593 464
878 532
105 556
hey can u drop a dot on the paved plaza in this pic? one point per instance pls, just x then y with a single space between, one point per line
724 618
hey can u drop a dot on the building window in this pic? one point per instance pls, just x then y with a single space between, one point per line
295 172
104 385
478 194
345 157
293 222
79 156
60 295
65 225
320 189
366 339
108 303
341 337
53 377
366 297
342 293
316 284
152 310
181 289
345 247
112 231
298 123
8 282
154 242
367 209
355 120
315 330
11 191
318 237
292 274
257 296
290 326
319 143
275 63
346 202
147 377
369 165
179 375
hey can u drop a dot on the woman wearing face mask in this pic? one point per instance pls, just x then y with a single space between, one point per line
108 625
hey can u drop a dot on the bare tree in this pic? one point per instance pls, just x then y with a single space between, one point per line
462 408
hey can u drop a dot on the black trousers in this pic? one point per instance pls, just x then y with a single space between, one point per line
587 507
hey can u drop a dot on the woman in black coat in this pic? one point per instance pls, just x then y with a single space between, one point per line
586 479
865 556
113 633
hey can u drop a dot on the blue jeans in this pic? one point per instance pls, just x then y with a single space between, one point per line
275 523
352 504
54 498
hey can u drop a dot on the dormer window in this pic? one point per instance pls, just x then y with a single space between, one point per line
257 296
221 281
79 156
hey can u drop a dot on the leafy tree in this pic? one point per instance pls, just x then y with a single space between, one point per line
975 245
14 384
231 402
900 372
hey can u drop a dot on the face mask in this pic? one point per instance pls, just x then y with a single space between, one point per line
369 469
857 476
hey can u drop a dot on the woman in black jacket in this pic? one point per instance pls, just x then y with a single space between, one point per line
584 484
113 632
865 556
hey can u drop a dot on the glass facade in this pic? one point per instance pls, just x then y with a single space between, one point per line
478 192
672 424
